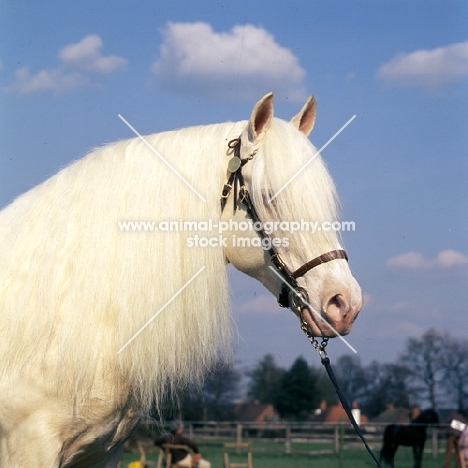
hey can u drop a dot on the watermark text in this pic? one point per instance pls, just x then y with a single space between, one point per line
220 227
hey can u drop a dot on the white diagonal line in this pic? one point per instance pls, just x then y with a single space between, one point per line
181 177
161 309
313 310
312 158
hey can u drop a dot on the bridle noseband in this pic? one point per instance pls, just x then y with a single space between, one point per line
291 294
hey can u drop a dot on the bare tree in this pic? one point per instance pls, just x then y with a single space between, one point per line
455 361
386 384
220 389
213 400
424 360
351 377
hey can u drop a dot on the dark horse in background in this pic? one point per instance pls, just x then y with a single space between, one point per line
413 435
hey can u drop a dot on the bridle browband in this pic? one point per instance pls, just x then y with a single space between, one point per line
291 294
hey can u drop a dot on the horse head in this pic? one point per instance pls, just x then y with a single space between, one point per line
428 416
294 207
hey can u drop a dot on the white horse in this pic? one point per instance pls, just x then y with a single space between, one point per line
76 286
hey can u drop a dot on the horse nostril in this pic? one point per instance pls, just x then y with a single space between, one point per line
336 300
338 303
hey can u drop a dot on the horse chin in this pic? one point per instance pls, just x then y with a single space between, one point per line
321 327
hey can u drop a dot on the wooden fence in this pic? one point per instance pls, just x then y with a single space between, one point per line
310 438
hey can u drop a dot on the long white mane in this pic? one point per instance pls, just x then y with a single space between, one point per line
75 288
71 281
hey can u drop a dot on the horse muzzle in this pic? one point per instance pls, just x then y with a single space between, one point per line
336 317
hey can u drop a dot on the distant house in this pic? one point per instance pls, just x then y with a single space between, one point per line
255 412
392 415
336 413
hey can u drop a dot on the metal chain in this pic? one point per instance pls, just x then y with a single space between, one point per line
319 347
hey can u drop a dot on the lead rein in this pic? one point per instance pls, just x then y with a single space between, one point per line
325 360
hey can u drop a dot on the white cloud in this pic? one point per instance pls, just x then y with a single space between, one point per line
368 299
409 260
86 56
404 328
400 306
260 304
45 80
242 63
427 68
415 261
76 62
450 258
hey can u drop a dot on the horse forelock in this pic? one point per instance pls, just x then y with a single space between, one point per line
288 168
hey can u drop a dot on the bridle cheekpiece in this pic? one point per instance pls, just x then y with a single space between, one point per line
291 294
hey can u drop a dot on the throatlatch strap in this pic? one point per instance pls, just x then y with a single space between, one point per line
346 407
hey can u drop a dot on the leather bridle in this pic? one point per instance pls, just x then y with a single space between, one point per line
291 294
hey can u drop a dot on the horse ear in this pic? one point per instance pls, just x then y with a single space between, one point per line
261 117
305 120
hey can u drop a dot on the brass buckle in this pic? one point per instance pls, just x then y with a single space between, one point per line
276 260
299 300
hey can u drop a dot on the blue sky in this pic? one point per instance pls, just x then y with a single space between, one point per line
67 69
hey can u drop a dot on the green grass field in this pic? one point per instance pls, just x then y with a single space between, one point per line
350 458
